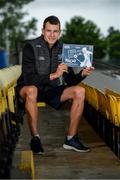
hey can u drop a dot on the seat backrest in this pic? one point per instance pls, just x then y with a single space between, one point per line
11 96
8 77
114 102
103 103
110 91
90 95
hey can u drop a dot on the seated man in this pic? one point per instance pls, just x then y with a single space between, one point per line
40 81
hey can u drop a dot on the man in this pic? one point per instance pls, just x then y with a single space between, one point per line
87 57
40 81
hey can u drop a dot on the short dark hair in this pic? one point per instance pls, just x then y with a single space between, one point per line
51 20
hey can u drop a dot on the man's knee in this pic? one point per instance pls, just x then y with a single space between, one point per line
79 92
30 93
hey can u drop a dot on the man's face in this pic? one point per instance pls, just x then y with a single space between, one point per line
51 33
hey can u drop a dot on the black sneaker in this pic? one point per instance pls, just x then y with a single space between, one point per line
36 146
75 144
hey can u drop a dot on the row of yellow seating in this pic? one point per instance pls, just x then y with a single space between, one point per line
102 110
9 125
108 102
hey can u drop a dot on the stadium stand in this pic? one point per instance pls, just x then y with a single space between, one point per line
101 111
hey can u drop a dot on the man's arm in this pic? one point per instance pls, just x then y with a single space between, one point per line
73 79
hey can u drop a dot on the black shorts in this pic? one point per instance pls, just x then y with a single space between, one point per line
50 96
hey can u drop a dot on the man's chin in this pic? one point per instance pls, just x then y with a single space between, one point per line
51 43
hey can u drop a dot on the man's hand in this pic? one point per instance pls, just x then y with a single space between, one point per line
61 69
87 71
59 72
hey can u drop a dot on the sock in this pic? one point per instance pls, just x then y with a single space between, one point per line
69 137
36 135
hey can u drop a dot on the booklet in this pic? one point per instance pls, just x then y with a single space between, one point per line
76 55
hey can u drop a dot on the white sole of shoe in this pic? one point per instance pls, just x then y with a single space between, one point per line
73 148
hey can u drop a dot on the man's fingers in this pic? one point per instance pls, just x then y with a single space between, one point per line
90 68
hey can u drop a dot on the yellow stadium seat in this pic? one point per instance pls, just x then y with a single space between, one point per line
1 93
11 96
1 108
8 77
114 103
4 117
4 83
110 91
102 103
41 104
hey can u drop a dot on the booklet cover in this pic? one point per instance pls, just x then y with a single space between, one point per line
76 55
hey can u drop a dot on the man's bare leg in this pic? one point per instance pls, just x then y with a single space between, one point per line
77 94
29 94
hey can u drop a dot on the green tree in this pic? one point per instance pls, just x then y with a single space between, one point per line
12 26
113 45
80 31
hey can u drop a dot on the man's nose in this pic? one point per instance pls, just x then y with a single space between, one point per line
52 33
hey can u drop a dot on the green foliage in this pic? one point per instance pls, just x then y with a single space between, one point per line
12 26
113 45
79 31
15 3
